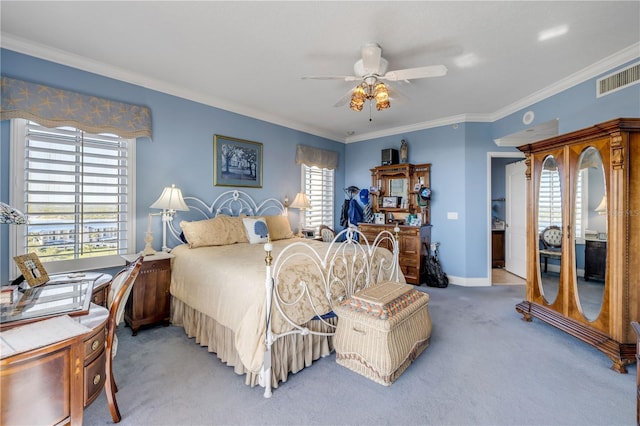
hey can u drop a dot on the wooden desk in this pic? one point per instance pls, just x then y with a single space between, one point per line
52 384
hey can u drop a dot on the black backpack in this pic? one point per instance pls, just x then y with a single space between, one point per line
344 216
432 269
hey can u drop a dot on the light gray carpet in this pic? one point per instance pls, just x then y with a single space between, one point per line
485 366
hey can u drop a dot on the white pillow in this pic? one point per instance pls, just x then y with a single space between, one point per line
256 228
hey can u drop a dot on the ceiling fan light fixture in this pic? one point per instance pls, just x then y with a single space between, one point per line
382 97
358 98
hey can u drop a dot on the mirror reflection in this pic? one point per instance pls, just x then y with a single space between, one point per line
550 228
591 228
398 187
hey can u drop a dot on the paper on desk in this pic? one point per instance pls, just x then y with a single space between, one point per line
39 334
72 278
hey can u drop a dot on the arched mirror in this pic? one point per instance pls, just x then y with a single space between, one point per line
550 228
591 230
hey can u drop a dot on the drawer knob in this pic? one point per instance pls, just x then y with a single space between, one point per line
96 379
95 345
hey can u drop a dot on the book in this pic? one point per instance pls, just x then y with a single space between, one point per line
9 294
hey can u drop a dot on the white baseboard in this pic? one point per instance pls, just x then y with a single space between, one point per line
470 282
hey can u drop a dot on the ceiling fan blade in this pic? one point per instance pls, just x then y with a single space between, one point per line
371 54
413 73
396 94
344 99
331 77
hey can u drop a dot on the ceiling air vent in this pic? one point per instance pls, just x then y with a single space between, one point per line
619 80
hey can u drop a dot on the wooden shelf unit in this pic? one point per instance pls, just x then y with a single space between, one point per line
414 241
416 175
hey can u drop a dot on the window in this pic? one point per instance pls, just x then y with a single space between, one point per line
77 190
550 203
318 184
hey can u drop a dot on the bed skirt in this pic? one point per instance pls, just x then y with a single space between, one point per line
289 354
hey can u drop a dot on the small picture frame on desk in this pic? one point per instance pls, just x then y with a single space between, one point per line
31 268
602 236
390 202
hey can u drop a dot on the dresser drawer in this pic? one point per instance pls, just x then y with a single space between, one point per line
94 377
99 297
94 345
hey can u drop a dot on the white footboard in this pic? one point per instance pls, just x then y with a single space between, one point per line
349 263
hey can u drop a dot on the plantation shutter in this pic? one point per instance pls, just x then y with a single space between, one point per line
319 186
76 193
550 200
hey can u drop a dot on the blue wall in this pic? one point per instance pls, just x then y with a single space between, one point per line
458 155
182 149
182 153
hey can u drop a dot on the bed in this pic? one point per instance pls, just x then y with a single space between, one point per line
259 297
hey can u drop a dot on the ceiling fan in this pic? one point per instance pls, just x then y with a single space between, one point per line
371 71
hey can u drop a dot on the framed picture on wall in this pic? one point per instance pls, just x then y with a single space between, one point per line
236 162
31 268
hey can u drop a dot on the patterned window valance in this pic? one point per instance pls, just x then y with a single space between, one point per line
53 107
315 157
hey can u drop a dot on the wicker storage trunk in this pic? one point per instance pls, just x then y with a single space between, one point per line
381 330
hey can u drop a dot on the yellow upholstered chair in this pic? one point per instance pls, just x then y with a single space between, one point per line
119 292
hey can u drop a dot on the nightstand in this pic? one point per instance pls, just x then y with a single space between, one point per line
150 299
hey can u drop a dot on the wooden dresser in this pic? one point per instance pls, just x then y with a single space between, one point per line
395 197
497 248
595 259
413 244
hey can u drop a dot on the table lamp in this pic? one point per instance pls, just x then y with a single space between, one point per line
301 202
170 201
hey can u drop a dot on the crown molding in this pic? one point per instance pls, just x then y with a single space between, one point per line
446 121
605 65
62 57
41 51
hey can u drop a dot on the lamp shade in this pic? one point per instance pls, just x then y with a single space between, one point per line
171 199
602 207
10 215
301 201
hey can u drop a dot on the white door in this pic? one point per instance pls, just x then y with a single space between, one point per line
516 218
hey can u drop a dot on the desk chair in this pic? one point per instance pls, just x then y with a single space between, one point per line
550 244
121 286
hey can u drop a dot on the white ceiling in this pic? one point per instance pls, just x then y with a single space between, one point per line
249 57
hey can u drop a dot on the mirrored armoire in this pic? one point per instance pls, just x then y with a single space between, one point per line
583 235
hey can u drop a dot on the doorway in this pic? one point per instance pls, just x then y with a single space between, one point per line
503 244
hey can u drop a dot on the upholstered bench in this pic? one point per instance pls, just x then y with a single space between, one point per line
381 330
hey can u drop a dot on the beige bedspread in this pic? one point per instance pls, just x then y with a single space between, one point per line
227 283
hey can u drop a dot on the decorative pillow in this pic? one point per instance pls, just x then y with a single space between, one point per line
234 229
219 231
256 229
278 227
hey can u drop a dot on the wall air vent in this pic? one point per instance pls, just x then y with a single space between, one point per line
618 80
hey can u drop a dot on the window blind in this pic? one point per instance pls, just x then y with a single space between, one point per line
318 184
76 193
550 202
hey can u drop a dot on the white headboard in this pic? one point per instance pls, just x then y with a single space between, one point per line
230 203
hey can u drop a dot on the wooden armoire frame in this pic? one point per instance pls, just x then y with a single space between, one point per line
618 143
